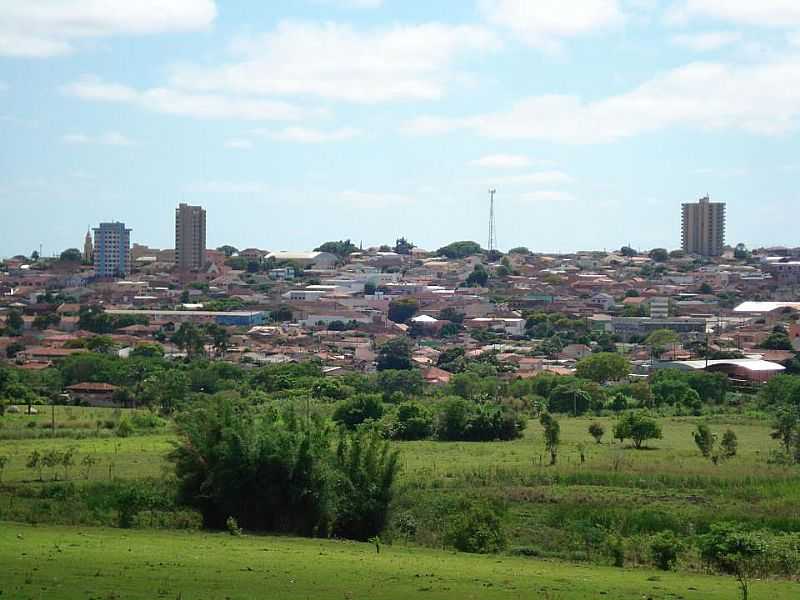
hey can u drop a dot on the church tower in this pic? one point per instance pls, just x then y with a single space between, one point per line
88 248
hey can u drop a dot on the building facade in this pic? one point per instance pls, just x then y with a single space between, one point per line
703 227
190 237
112 250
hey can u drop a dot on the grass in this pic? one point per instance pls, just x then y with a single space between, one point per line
551 510
101 564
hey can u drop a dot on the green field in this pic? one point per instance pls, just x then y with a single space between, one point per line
102 564
560 514
676 454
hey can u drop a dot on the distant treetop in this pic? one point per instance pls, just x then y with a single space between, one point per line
460 249
341 248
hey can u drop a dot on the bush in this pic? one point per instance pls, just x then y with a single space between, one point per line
665 547
597 431
359 408
274 472
463 420
413 421
124 428
477 527
638 427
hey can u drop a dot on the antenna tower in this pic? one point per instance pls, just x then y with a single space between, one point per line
492 230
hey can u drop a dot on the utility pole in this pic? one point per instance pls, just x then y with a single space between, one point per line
492 232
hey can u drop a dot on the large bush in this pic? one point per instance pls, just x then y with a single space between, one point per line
477 526
359 408
413 421
463 420
274 472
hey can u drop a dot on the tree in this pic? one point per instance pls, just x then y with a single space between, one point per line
740 252
479 277
603 367
14 322
395 354
274 472
664 549
659 255
71 255
189 339
785 428
730 549
451 314
661 339
403 309
220 338
147 350
638 427
413 421
552 435
519 250
403 246
228 251
369 288
361 407
704 439
460 249
597 431
777 341
342 248
628 251
729 444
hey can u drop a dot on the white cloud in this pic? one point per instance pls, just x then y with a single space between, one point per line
707 41
338 62
543 23
110 138
202 106
766 13
761 99
307 135
43 28
238 144
502 161
358 199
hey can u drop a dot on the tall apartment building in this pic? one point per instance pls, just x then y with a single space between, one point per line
190 237
112 250
703 227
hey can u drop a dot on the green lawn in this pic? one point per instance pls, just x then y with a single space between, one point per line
105 564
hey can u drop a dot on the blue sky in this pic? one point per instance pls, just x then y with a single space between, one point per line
295 122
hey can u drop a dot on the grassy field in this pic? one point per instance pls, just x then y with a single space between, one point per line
551 511
143 455
101 564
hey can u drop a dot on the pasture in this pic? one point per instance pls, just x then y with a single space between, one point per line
41 563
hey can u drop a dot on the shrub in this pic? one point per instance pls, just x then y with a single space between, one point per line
413 421
463 420
359 408
124 428
274 472
597 431
638 427
665 547
729 444
478 527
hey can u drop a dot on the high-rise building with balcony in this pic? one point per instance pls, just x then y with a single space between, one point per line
112 254
190 237
703 227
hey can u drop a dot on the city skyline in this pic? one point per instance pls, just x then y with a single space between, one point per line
580 118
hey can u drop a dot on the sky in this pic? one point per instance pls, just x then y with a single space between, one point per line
296 122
